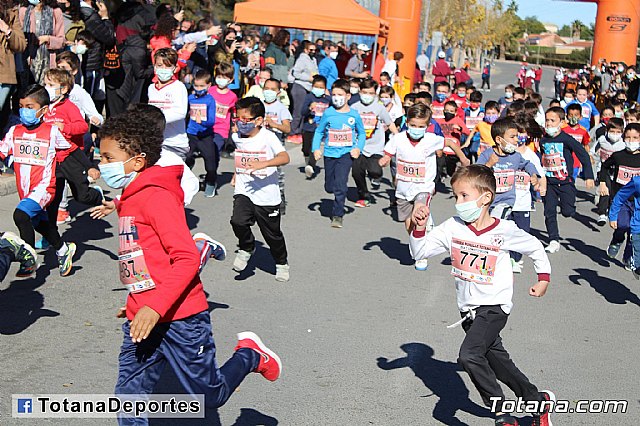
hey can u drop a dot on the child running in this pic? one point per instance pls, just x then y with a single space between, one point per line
166 311
256 195
557 148
344 136
33 145
315 104
618 171
630 191
479 247
608 143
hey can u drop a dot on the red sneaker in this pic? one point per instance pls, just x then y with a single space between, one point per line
63 217
362 203
544 418
270 365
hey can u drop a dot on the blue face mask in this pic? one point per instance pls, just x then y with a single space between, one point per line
440 97
522 139
270 96
114 175
317 92
199 93
164 74
29 117
245 128
469 211
416 133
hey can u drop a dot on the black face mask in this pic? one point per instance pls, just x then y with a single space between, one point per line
229 42
63 7
449 116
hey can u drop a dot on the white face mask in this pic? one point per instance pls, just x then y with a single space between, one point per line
508 148
333 55
354 90
222 82
552 131
338 101
81 49
469 211
632 146
614 137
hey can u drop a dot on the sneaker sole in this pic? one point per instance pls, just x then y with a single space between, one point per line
421 269
253 336
18 275
205 237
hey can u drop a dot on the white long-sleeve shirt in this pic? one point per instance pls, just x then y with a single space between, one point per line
603 149
173 100
189 182
480 260
82 99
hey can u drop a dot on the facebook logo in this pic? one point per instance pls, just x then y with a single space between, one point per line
25 406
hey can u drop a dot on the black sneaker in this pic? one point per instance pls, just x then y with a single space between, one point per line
506 420
22 252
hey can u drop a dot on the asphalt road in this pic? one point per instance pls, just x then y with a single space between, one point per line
361 333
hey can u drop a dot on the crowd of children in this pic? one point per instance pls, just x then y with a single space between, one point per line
523 155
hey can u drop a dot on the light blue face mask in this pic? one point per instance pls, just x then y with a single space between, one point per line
34 2
270 96
469 211
164 74
416 133
114 175
317 92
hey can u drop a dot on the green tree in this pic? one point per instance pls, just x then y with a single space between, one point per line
531 25
565 31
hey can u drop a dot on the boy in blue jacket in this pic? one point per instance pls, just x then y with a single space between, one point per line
344 136
630 190
202 117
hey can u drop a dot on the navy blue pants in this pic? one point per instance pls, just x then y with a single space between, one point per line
336 177
523 221
563 195
210 154
624 229
6 256
188 346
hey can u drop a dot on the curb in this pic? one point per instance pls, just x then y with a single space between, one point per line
7 185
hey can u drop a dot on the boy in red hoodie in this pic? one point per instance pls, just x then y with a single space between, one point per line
167 314
453 127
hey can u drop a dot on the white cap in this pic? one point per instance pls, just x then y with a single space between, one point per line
441 54
363 47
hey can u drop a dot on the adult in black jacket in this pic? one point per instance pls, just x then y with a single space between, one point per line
102 30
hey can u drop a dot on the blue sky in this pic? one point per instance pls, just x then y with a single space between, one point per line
557 12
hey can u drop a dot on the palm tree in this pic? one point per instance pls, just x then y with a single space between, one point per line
576 28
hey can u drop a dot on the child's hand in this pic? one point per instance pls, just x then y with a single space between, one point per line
613 224
122 312
269 122
317 154
254 166
604 191
59 125
95 121
456 127
420 216
312 107
233 180
543 190
143 323
355 153
104 210
94 174
539 289
384 161
589 183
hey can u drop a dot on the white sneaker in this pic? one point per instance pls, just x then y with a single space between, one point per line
282 273
553 247
241 260
603 219
516 267
422 264
308 171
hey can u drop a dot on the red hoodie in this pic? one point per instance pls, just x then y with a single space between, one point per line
75 127
157 254
441 71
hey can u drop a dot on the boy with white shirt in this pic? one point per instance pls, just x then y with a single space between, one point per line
70 62
257 195
479 247
170 95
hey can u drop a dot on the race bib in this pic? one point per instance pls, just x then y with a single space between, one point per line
273 116
370 121
523 181
472 122
438 111
134 273
586 111
411 172
505 179
222 110
319 109
198 110
30 151
244 158
473 262
340 138
553 162
625 174
605 154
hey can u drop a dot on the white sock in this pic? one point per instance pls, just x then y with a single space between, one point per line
63 250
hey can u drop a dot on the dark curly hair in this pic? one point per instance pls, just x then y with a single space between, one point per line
135 134
165 27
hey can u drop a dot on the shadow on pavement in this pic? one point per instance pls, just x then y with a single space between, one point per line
325 207
443 380
393 248
261 259
613 291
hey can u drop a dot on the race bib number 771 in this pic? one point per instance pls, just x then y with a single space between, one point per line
473 262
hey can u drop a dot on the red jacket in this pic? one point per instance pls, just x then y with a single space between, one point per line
74 129
441 71
156 249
